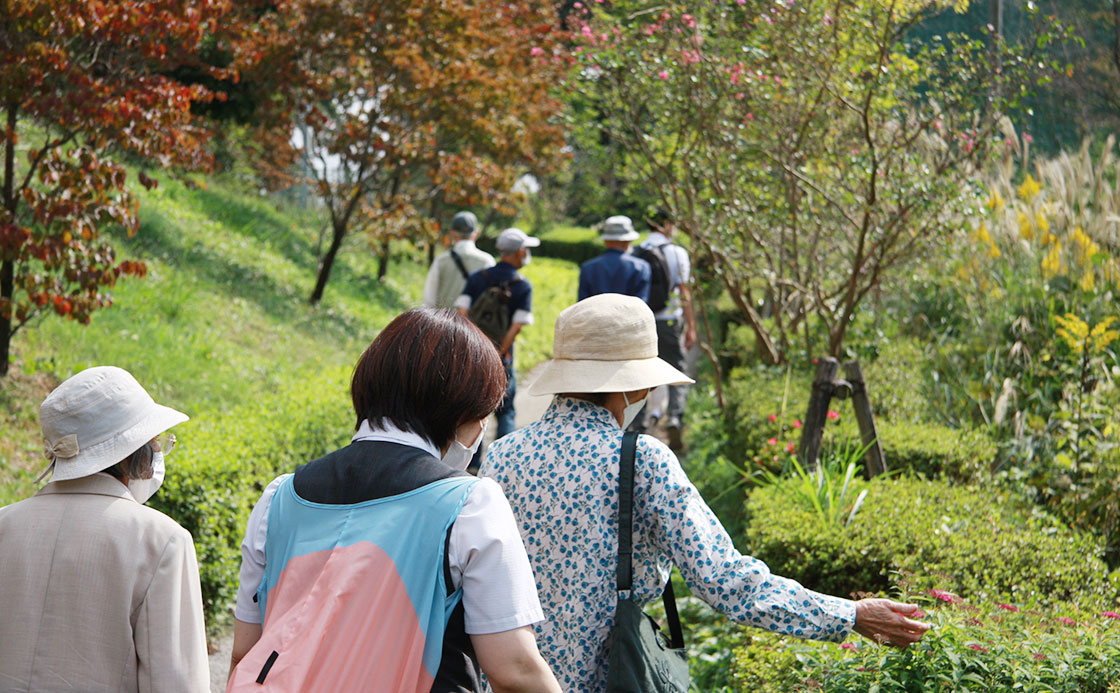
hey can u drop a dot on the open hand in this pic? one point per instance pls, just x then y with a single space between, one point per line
886 622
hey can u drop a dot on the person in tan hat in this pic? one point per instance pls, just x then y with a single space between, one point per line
561 475
97 591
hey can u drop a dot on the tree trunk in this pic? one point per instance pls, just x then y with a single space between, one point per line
8 269
383 265
7 285
338 234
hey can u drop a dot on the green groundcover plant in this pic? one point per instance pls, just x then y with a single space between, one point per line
973 646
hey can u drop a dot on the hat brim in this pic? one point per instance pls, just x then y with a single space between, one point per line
628 236
585 375
107 453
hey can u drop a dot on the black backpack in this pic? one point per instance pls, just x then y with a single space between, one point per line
659 288
490 311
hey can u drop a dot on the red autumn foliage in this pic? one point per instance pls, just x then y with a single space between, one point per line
404 108
80 81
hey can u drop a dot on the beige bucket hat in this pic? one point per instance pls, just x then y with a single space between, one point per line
606 343
97 418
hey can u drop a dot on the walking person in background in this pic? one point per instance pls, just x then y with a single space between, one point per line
670 299
450 270
97 591
616 271
500 302
383 566
561 474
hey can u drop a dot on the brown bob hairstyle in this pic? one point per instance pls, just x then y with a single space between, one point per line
428 372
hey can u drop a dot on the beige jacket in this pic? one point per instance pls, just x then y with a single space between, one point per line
98 593
445 281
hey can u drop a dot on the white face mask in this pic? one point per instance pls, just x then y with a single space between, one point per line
527 259
458 456
143 489
632 409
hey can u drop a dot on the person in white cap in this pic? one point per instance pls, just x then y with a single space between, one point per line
97 591
450 270
561 474
616 271
516 297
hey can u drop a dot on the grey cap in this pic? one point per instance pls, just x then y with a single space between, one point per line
464 223
513 239
618 228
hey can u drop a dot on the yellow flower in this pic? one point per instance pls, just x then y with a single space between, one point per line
1100 337
1073 330
1052 263
982 233
1087 282
993 251
1029 188
1084 245
1026 231
995 202
1042 223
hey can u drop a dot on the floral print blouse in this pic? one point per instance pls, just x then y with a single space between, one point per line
560 474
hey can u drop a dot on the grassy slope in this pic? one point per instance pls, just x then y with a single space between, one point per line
222 317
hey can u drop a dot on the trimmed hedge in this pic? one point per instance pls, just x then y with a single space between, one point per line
926 534
222 463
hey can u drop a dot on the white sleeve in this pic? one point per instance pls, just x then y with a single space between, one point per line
487 557
684 265
252 555
464 301
431 284
522 316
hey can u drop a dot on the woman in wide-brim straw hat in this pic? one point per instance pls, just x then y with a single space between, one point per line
560 474
97 591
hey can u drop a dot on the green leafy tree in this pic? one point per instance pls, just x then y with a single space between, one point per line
809 149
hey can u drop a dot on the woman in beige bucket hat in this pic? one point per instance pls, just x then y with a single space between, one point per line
560 474
99 592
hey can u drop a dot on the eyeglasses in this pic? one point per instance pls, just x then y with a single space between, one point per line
166 443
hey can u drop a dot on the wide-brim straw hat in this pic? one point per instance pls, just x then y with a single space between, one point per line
98 418
618 228
606 343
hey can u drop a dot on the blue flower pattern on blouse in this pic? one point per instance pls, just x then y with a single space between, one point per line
560 474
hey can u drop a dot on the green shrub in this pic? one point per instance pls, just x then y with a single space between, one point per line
972 647
223 462
928 534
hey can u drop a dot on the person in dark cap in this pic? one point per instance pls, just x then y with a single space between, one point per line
450 270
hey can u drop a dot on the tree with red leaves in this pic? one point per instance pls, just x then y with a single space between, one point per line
79 82
407 107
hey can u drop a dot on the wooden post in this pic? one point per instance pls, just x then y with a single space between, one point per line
873 462
815 418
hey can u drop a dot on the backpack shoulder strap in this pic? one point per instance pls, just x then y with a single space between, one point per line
458 263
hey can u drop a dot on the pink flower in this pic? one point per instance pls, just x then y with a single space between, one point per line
1027 138
1008 607
689 20
944 596
796 423
848 646
739 95
832 415
978 648
789 448
772 441
828 20
772 418
918 613
1110 614
663 75
750 116
536 51
578 5
740 3
586 32
1067 620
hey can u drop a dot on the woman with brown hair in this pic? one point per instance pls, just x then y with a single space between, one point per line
383 565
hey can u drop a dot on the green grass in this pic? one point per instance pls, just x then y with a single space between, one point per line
222 318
